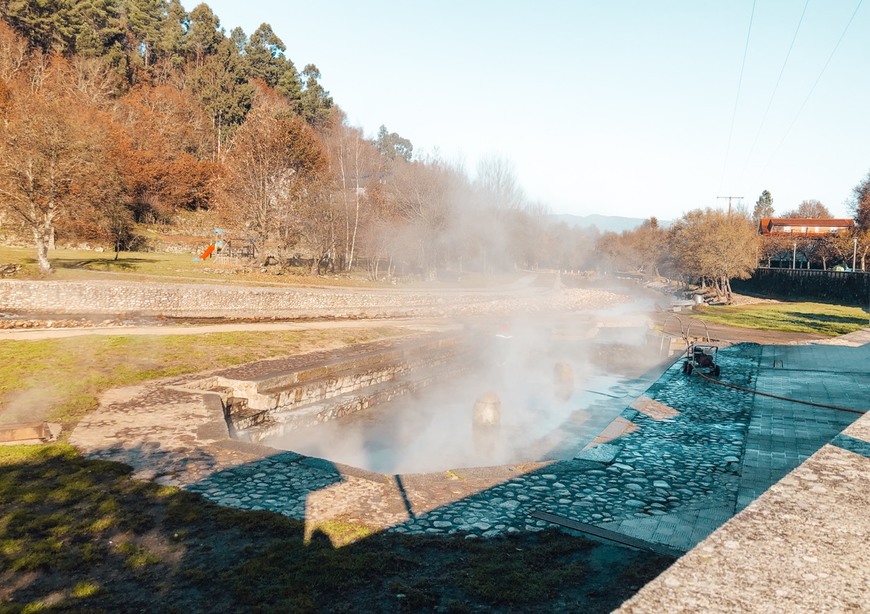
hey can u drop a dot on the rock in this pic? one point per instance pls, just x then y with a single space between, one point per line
563 378
9 269
487 410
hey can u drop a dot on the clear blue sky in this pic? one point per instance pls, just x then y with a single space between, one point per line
620 107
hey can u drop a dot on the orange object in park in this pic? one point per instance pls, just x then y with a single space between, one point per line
207 252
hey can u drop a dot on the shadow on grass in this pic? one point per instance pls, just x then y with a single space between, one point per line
801 316
83 535
101 264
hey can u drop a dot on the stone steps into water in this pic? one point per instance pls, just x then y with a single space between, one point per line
354 380
343 372
371 360
268 424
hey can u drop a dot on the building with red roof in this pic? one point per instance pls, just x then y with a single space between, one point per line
805 226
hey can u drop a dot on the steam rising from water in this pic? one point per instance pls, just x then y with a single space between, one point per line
559 383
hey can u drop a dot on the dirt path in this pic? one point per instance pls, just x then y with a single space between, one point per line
201 329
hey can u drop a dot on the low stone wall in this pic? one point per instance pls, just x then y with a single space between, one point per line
195 300
231 301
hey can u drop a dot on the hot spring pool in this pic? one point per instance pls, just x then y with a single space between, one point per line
434 431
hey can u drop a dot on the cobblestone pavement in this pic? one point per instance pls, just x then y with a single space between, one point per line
678 462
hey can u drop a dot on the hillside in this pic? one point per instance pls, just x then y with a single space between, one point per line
123 114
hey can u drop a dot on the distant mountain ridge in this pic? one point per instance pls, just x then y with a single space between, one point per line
604 223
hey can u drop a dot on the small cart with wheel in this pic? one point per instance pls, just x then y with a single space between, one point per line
703 357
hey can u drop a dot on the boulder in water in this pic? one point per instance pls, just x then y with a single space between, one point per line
487 410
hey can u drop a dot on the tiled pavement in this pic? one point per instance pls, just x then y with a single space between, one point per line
783 434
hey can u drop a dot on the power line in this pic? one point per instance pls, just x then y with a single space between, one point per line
775 88
812 89
737 98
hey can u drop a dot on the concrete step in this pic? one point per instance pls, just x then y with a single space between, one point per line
324 381
258 426
351 360
349 377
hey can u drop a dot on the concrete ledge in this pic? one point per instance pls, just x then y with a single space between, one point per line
29 432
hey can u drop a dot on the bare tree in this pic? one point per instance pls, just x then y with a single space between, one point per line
810 209
272 160
419 195
714 247
497 182
45 150
14 54
354 162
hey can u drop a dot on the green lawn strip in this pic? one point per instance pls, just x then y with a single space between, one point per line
816 318
81 535
80 265
64 377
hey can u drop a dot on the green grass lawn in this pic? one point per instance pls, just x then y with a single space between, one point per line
83 264
80 535
61 379
68 264
73 265
817 318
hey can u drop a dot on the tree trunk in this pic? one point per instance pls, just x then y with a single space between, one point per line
355 230
41 236
726 283
348 257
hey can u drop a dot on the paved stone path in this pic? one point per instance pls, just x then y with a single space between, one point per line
691 454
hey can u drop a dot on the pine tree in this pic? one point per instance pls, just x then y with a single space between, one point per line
144 20
763 207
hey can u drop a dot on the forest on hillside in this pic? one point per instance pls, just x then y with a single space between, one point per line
124 114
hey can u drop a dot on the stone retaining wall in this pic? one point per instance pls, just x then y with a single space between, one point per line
231 301
199 300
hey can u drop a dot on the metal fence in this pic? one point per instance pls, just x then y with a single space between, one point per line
847 287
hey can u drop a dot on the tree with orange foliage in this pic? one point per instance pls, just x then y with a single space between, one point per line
166 148
714 247
272 160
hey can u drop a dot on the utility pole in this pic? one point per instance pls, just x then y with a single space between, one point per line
729 202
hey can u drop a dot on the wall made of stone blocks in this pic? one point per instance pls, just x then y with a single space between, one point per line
203 300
